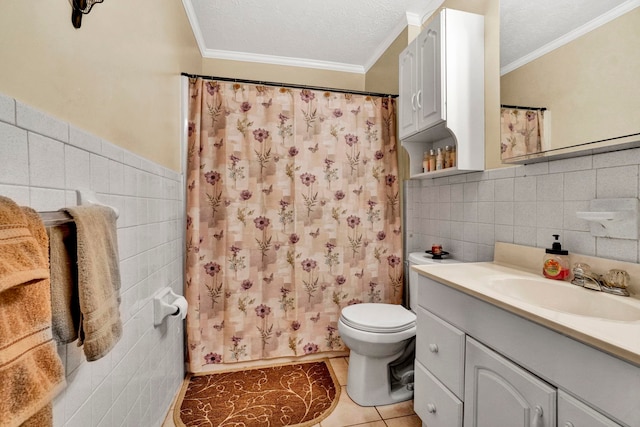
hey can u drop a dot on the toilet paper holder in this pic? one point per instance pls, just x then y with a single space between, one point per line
164 304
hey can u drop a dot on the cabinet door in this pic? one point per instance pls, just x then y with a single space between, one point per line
429 95
407 112
500 393
573 413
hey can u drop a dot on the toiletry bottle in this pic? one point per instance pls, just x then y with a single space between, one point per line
452 160
447 157
432 160
556 262
439 159
425 162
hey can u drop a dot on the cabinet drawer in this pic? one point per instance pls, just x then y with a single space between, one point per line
433 402
440 347
573 413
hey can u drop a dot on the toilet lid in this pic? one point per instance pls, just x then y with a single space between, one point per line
375 317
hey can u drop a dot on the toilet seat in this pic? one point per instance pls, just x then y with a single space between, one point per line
379 318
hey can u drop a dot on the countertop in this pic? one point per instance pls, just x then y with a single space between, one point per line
619 338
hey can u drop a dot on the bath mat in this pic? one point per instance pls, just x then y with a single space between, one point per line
294 394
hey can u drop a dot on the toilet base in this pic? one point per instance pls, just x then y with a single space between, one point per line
368 382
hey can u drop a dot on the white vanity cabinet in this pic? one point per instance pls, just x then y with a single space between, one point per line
479 365
441 90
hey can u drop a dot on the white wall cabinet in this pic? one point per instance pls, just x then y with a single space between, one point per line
478 365
442 92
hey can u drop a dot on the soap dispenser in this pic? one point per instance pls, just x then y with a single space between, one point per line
556 262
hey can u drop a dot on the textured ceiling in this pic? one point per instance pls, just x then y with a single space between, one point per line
334 34
350 35
526 26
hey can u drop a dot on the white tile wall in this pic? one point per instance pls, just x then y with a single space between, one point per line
468 213
42 161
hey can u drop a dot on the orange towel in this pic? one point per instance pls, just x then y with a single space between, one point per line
31 373
98 279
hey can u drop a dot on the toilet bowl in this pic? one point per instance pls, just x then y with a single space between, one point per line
381 340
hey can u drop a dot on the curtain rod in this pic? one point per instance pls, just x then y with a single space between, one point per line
257 82
523 108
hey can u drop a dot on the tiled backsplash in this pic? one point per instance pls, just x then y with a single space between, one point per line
525 205
42 161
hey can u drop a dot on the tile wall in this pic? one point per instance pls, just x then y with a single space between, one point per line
42 161
525 205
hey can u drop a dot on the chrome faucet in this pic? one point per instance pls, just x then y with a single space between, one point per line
613 282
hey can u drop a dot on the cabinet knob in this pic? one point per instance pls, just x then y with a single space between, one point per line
537 417
431 408
433 348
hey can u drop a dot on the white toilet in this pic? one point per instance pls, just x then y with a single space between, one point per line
381 340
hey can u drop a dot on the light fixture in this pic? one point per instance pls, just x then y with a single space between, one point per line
81 7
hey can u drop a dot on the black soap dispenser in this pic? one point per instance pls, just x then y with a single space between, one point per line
556 262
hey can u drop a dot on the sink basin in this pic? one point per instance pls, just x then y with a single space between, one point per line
567 298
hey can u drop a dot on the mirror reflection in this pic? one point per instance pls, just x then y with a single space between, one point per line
589 86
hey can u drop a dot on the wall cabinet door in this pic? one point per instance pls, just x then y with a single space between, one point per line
407 107
430 96
500 393
573 413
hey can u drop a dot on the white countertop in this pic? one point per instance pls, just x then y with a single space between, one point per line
619 338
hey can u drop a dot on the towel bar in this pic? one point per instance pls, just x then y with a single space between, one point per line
85 197
53 219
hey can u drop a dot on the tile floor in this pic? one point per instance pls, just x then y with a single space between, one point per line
347 413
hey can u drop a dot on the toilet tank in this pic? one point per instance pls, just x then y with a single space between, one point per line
421 258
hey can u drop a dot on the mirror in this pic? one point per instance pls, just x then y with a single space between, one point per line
580 61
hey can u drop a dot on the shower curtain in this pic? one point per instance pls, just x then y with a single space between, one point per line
292 214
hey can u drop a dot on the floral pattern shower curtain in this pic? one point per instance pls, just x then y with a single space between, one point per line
522 132
292 214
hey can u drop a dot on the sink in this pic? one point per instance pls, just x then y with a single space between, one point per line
567 298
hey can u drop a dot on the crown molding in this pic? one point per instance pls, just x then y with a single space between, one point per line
282 60
409 19
195 26
614 13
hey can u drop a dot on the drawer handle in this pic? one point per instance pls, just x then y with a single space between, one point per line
431 408
568 424
537 417
433 348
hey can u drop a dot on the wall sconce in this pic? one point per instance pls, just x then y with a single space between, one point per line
81 7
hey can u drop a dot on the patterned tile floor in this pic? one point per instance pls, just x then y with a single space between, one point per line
348 413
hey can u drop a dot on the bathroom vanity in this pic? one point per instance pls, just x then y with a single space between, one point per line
488 355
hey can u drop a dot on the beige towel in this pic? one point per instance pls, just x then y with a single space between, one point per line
65 308
98 279
31 373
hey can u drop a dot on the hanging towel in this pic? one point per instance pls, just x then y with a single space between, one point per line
22 259
98 279
31 373
65 308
